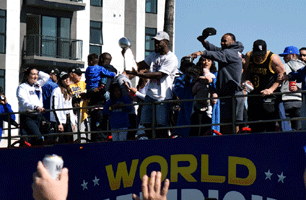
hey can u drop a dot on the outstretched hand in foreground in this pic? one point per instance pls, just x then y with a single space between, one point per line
151 190
47 188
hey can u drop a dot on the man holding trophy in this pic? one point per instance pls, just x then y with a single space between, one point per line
162 65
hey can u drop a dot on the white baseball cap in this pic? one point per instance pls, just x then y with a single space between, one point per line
161 35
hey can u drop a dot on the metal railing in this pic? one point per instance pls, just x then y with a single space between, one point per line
56 47
154 127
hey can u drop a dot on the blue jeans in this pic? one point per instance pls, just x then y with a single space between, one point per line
161 112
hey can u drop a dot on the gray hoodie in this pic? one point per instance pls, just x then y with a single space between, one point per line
229 67
292 66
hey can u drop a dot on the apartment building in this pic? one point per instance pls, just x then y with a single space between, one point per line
61 33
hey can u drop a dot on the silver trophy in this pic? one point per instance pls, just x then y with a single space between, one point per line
124 43
129 60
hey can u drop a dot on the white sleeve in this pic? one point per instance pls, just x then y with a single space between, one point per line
42 78
22 96
142 92
140 95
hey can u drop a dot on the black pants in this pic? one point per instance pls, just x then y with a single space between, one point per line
98 122
67 128
30 123
133 125
199 117
258 110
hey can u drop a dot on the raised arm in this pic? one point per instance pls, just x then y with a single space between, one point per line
42 78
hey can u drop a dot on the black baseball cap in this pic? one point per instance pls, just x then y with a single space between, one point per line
63 75
55 71
76 70
259 48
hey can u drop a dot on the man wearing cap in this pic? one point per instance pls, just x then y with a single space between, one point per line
261 71
292 101
77 87
48 88
163 65
229 75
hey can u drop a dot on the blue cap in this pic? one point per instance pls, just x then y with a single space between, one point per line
290 50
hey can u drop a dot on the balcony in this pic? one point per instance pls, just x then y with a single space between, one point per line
67 5
47 50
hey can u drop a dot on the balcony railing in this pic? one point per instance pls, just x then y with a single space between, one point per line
55 47
154 127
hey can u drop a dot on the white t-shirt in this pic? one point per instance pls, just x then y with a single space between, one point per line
162 89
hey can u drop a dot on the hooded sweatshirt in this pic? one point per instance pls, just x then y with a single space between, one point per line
229 67
292 66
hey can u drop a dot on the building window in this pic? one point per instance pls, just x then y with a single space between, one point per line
149 44
96 38
96 3
95 49
50 36
151 6
55 36
2 79
2 31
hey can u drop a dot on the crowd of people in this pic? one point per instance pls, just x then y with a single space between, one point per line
113 99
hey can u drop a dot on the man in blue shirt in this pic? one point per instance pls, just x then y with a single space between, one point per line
47 90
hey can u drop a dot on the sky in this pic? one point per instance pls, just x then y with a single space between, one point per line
280 23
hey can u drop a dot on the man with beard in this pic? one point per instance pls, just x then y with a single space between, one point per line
229 76
163 65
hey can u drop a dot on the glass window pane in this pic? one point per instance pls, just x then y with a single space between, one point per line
2 13
149 43
96 3
49 26
1 72
2 25
65 28
151 31
151 6
95 49
2 44
95 24
49 34
96 32
95 36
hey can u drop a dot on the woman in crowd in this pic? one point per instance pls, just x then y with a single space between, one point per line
204 88
64 120
29 94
